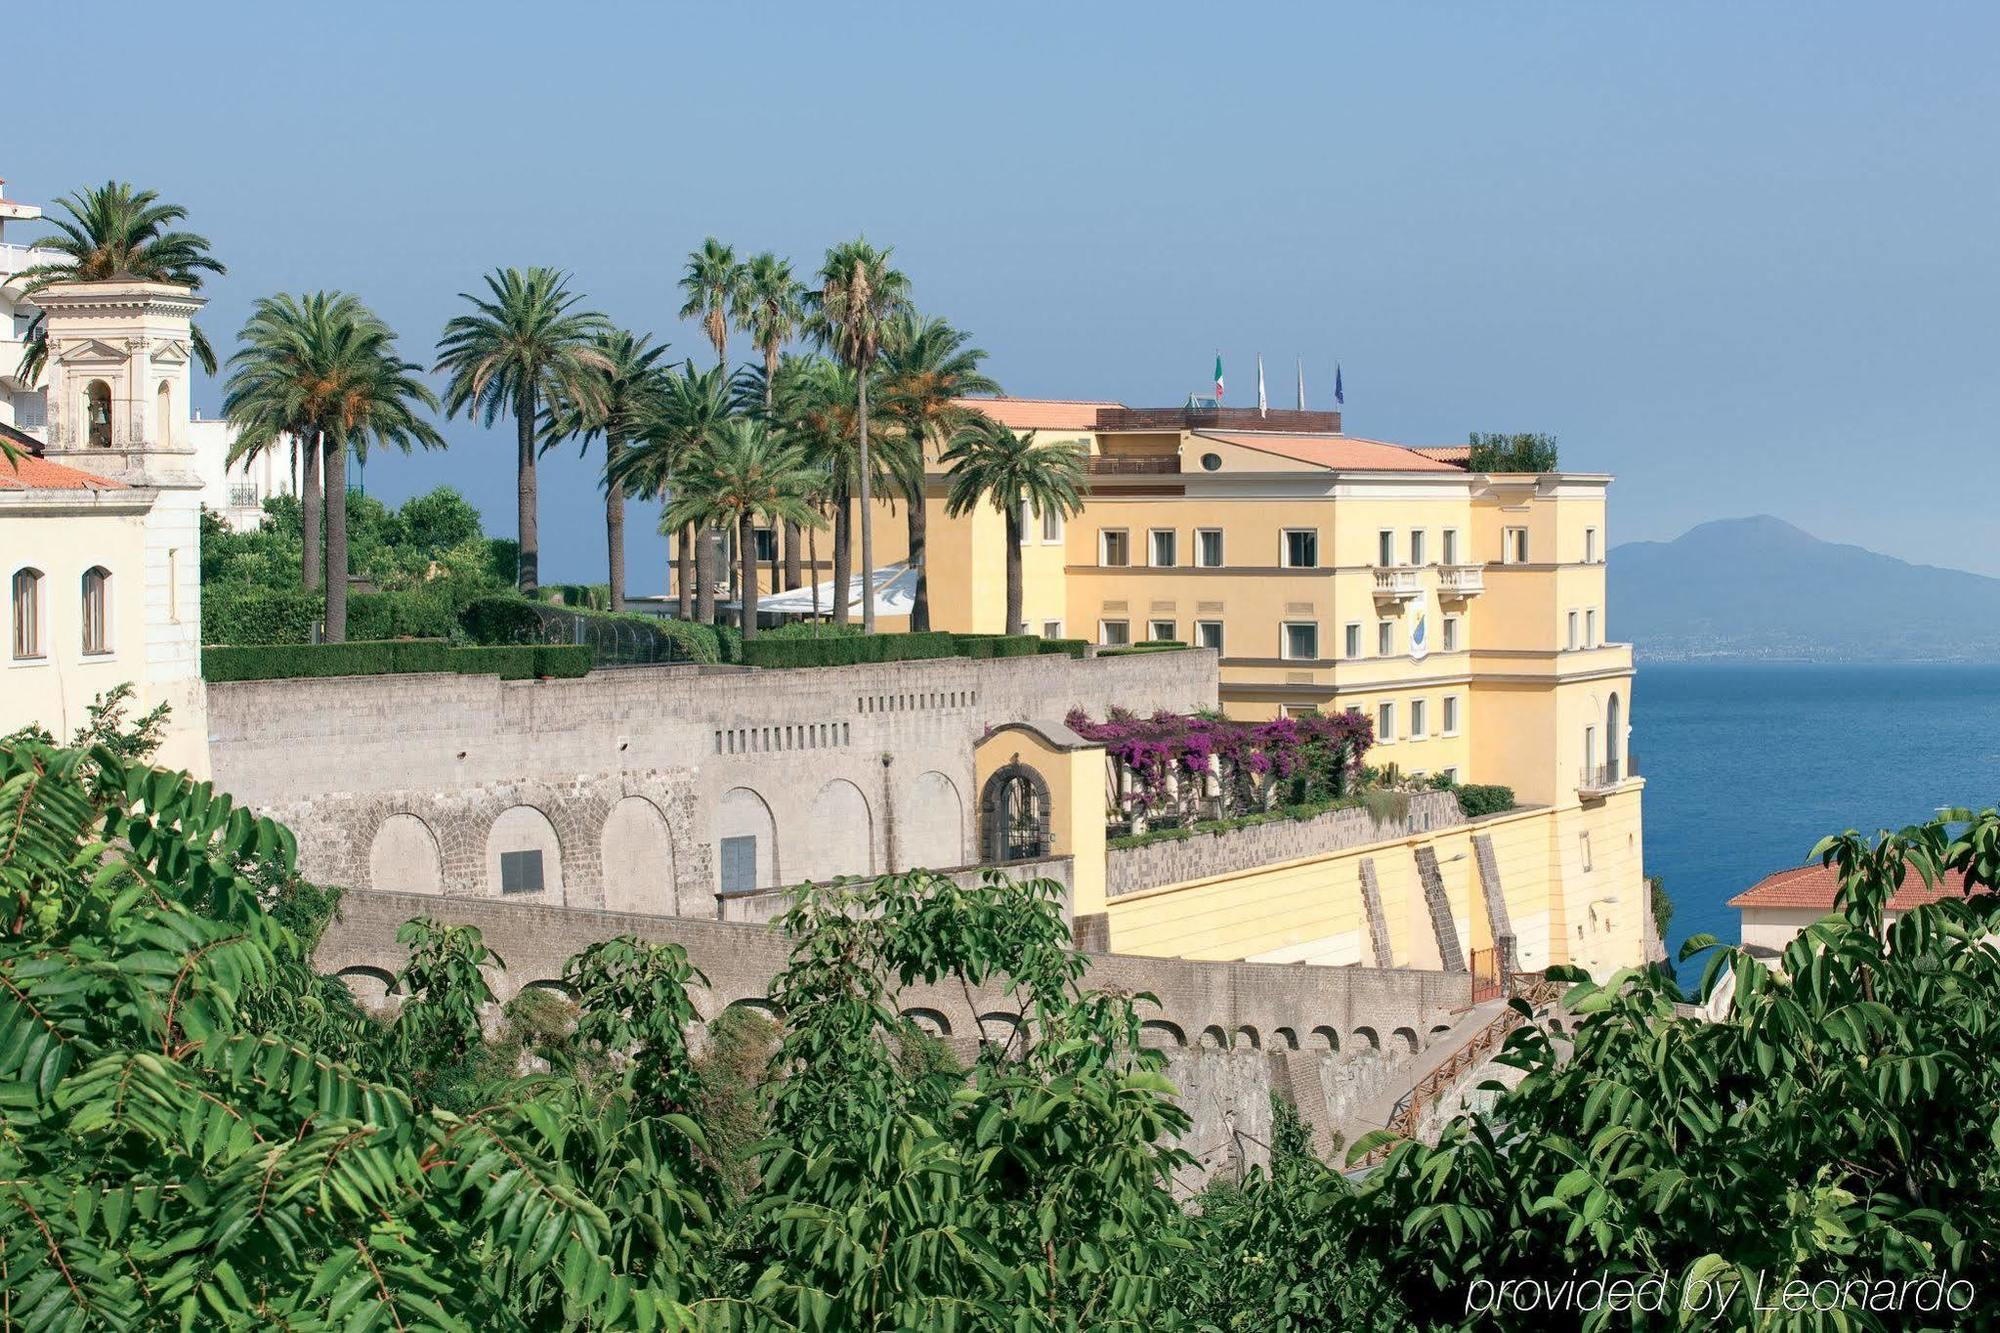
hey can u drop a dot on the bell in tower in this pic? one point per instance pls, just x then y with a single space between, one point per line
120 364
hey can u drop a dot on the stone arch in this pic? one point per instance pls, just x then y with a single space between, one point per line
637 853
1286 1038
97 414
373 987
1438 1030
1214 1038
843 833
521 845
1329 1038
746 841
1247 1036
756 1004
998 1025
930 1020
1366 1039
548 986
1014 810
1406 1039
933 825
403 856
1158 1032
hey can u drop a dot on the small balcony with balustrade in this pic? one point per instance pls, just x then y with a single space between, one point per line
1397 583
1456 583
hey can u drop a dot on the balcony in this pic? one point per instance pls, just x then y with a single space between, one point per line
1461 581
1397 583
243 495
14 258
1138 465
1596 781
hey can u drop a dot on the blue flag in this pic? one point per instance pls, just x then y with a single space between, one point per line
1339 392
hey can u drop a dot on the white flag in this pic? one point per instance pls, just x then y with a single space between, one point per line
1262 406
1420 633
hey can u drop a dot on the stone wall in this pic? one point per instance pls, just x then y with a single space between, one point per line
1178 861
627 779
766 905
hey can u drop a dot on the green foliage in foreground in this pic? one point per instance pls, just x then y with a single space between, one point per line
200 1132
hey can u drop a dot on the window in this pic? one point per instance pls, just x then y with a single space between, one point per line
1301 641
1419 718
1385 722
1160 548
1514 546
27 599
1590 628
1584 849
1052 629
1590 546
1114 547
1114 633
1353 644
1301 548
1385 638
1451 546
31 411
1208 547
521 872
1211 462
1572 631
1385 547
97 414
1450 775
1417 551
1208 634
1450 634
1162 631
1052 527
739 863
1451 715
1301 710
96 615
765 544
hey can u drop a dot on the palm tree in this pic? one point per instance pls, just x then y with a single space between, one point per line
857 296
745 474
714 282
324 368
990 462
774 309
687 412
115 231
625 394
926 368
525 345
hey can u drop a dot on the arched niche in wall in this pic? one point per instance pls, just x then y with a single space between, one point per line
403 857
933 826
638 857
747 855
843 833
524 857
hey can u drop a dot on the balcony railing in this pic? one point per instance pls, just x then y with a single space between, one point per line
1461 580
1601 779
1397 581
243 495
1142 466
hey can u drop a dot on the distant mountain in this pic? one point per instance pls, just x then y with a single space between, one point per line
1759 588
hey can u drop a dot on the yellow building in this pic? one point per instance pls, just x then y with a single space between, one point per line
1463 612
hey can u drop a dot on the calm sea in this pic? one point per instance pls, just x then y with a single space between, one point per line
1747 767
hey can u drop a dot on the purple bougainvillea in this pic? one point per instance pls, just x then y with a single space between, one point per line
1168 757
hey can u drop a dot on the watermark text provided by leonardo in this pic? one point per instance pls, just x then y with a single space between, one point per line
1717 1294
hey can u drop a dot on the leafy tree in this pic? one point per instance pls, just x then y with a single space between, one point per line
927 367
116 231
859 293
988 462
745 474
624 396
525 345
1511 453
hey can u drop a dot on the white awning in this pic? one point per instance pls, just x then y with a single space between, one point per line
895 595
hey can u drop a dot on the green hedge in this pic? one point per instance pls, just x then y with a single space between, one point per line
1476 799
259 615
998 645
379 658
512 620
399 615
1074 647
848 650
1150 646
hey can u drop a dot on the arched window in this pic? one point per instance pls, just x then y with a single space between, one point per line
1614 737
97 610
27 600
163 413
97 414
1014 815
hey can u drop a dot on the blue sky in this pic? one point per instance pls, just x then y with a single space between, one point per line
1744 256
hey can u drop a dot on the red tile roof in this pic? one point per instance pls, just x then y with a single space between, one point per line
1447 453
29 473
1040 413
1343 452
1813 887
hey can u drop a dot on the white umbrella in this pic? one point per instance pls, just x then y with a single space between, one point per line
895 595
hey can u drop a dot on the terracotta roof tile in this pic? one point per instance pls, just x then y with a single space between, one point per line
1447 453
1813 886
29 473
1040 413
1344 452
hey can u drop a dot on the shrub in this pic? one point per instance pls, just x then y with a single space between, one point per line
1073 647
509 619
257 615
502 619
400 615
1150 646
847 650
809 629
998 645
378 658
511 661
1476 799
562 661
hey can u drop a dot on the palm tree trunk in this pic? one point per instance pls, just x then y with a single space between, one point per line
867 509
1014 625
524 488
918 523
793 535
843 551
312 504
614 522
705 554
746 536
336 543
684 576
812 558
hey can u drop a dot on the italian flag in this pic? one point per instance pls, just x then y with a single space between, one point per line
1218 379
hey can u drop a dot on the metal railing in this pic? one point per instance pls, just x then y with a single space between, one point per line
1608 776
612 641
243 495
1103 465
